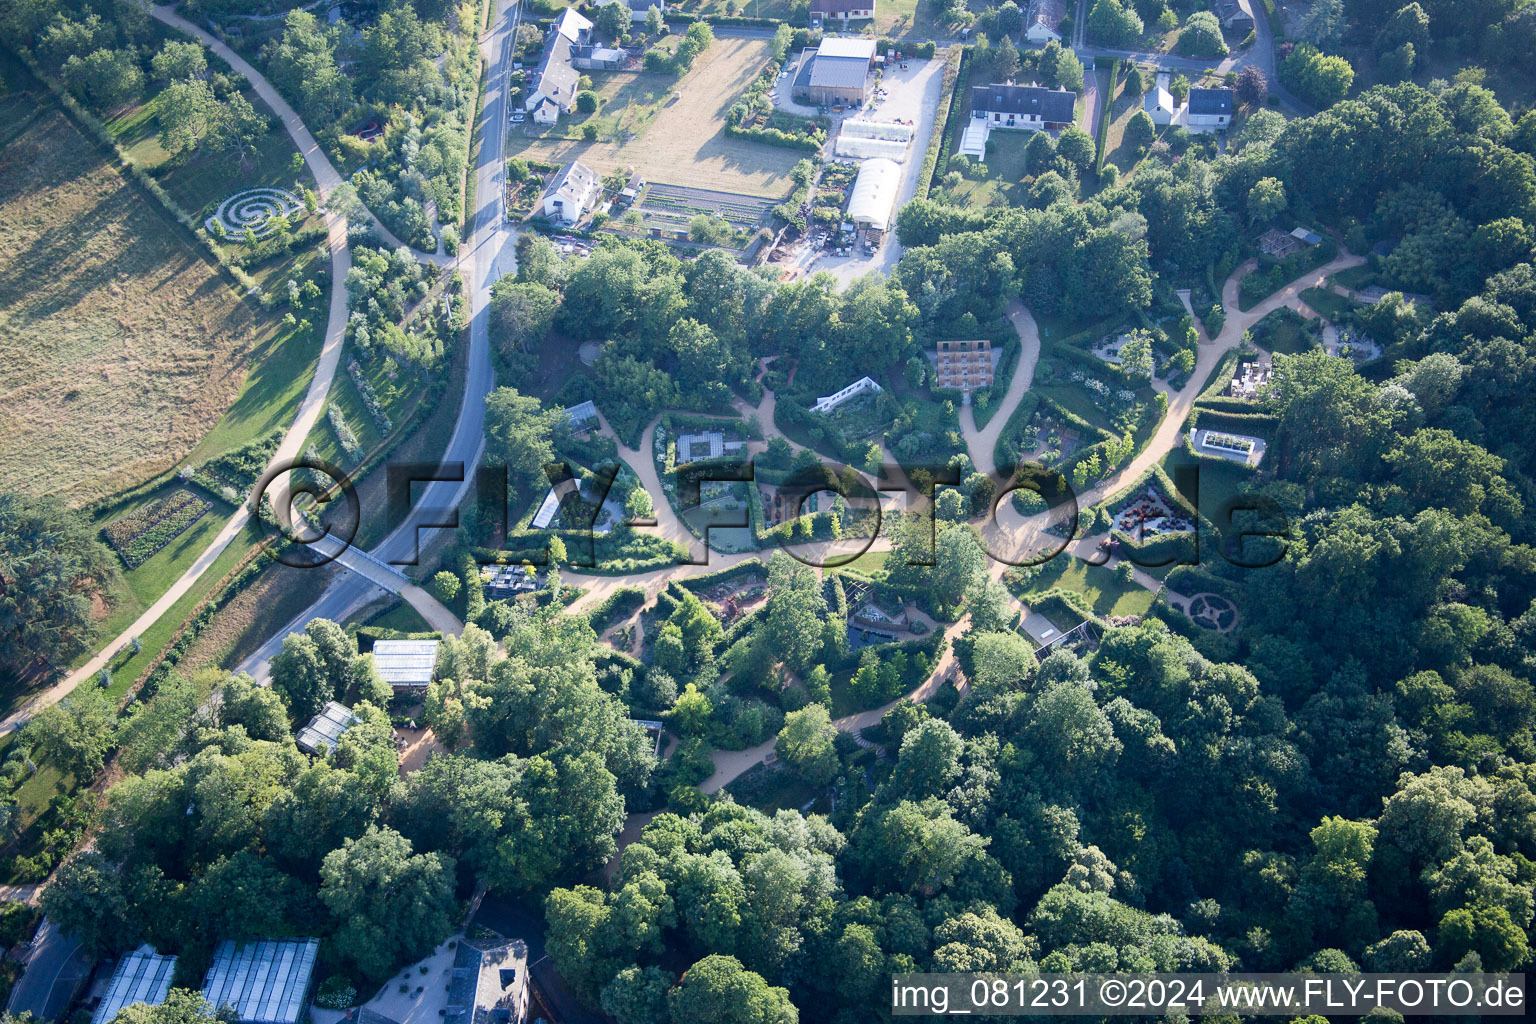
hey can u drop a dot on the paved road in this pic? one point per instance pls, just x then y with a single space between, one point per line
488 252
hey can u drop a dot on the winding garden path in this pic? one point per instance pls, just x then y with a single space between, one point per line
326 179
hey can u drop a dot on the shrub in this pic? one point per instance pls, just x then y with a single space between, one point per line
335 993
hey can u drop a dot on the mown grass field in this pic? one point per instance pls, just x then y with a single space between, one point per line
683 142
1099 587
123 346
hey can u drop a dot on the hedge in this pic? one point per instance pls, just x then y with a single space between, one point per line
949 100
775 137
1104 116
615 607
705 580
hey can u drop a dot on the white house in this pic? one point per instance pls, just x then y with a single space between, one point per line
553 90
842 10
573 194
1160 104
1026 107
1205 110
1208 110
1043 20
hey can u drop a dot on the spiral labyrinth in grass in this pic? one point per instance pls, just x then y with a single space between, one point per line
254 209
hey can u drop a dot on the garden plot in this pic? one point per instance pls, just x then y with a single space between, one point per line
138 536
665 205
685 142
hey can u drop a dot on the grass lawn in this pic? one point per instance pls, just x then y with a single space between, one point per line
870 563
627 103
283 364
127 346
1076 400
1002 185
139 588
32 800
399 616
1354 277
684 143
158 635
1328 303
782 10
1279 333
1099 587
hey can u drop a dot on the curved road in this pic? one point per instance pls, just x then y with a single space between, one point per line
487 253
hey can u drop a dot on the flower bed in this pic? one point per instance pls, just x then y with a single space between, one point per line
137 537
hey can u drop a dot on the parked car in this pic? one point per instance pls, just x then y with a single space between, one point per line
518 117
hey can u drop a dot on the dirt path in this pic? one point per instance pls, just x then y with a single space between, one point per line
982 442
326 180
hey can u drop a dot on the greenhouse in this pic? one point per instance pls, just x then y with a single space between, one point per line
874 194
866 149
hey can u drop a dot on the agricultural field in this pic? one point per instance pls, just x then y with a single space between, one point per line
684 143
124 346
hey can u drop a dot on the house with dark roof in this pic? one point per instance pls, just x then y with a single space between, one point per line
553 90
1209 110
489 984
842 10
1234 17
1026 107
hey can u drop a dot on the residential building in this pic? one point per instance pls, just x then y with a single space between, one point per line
1209 110
1204 110
489 983
1043 22
573 194
1027 107
598 58
326 728
1234 15
143 976
262 982
836 73
406 665
964 365
873 203
553 89
573 26
1159 103
842 11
